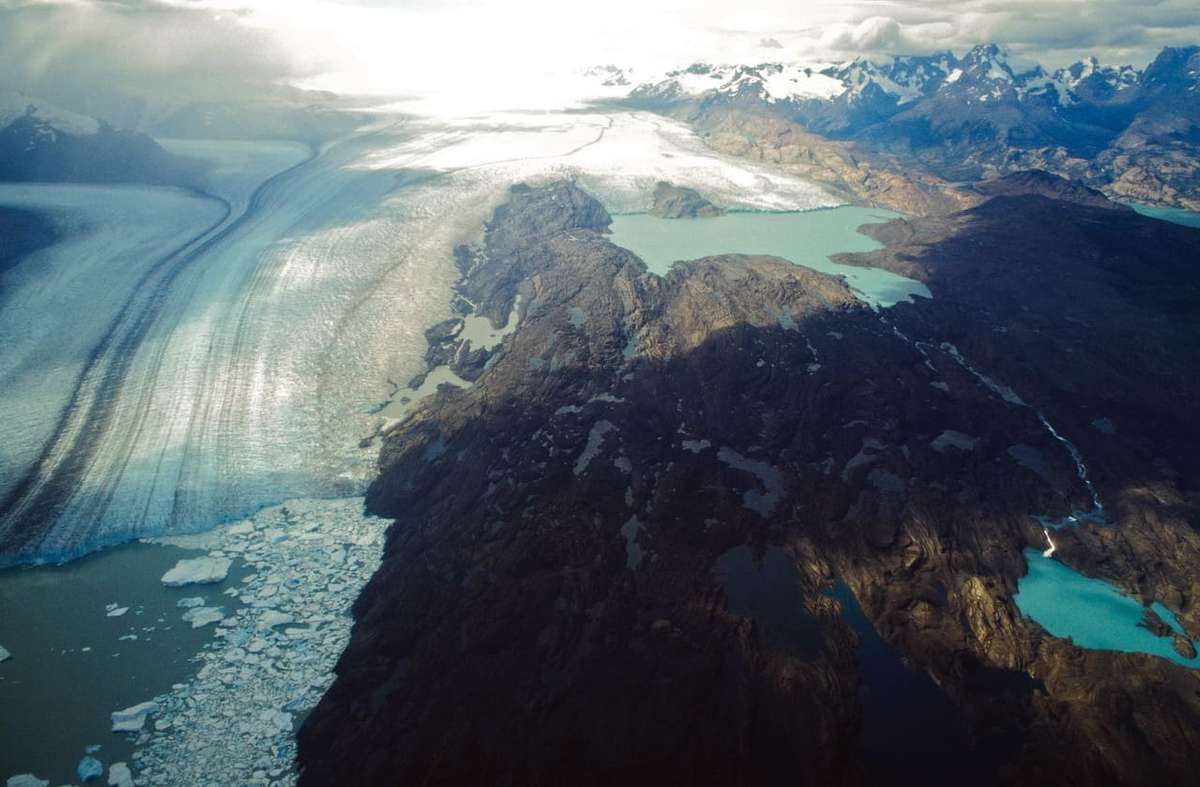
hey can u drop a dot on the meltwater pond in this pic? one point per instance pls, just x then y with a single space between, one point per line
806 238
1090 611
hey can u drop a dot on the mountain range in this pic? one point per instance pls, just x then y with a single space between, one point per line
1133 133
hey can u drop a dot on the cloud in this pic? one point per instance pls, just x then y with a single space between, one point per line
1051 31
234 47
64 48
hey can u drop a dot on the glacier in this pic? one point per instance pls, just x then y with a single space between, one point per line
181 359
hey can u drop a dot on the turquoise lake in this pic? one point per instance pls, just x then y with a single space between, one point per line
1174 215
806 238
1090 611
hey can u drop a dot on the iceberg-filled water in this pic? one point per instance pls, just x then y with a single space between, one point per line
180 359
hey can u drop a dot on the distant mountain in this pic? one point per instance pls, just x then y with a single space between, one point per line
1134 133
42 142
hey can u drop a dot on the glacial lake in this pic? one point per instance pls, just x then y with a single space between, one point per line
1090 611
805 238
912 732
1174 215
770 592
72 664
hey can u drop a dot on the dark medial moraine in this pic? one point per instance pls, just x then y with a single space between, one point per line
581 585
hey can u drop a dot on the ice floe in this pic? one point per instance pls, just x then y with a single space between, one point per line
133 718
200 617
197 571
119 775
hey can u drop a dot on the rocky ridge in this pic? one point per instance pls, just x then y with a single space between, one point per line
678 202
1127 132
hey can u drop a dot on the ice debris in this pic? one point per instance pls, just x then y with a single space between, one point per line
133 718
197 571
271 659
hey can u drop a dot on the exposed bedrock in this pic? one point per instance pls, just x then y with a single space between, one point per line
617 555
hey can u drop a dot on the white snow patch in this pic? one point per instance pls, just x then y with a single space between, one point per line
594 442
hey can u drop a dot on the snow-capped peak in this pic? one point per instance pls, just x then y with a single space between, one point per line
771 82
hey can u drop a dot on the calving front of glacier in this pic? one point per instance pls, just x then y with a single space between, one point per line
235 349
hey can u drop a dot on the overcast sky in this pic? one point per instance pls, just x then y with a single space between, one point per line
401 46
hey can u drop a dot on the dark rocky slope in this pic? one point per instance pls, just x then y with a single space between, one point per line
634 550
33 150
680 202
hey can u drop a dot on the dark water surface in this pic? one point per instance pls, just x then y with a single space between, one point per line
55 696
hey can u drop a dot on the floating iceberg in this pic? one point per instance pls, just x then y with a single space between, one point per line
197 571
26 780
202 616
272 618
132 719
119 775
117 612
89 768
5 656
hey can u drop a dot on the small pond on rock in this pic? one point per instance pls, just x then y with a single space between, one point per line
806 238
769 592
